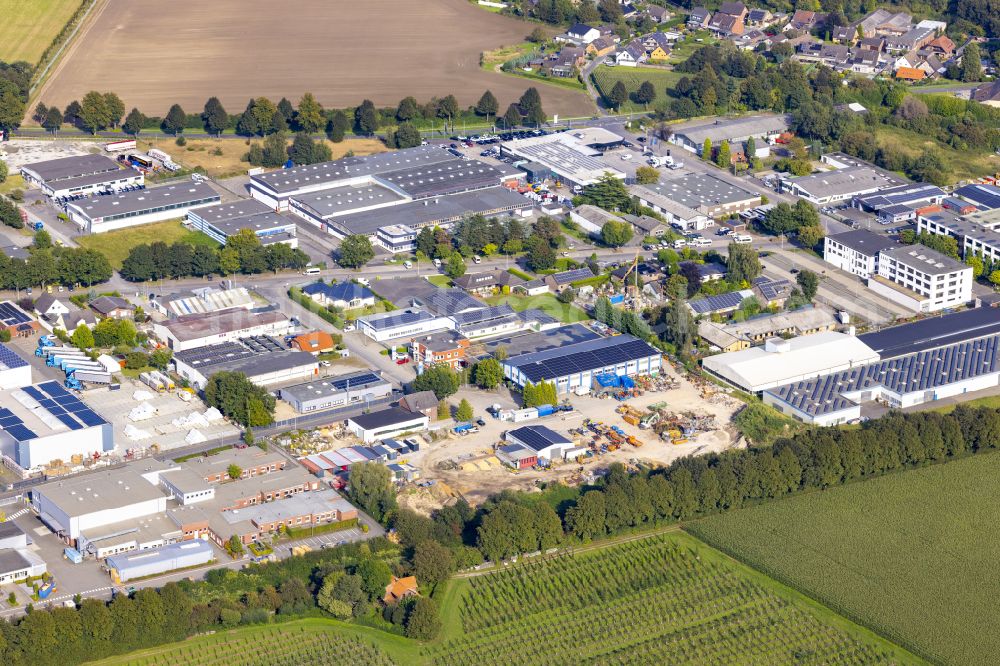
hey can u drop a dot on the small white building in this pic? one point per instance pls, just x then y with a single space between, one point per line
402 324
17 560
386 423
397 238
545 442
922 279
15 372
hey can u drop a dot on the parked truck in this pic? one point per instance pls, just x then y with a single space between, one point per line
92 376
153 381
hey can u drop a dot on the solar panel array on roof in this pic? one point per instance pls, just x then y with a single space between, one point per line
12 424
355 381
442 178
9 359
581 357
572 276
11 315
984 196
447 302
933 332
923 371
483 314
399 319
537 438
772 289
717 303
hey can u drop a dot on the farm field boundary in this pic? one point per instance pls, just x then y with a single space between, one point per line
29 29
904 554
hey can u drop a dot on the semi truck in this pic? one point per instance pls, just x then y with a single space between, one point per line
119 146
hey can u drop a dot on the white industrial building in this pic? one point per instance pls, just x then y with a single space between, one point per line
578 364
15 372
839 184
922 279
201 301
763 128
80 175
358 388
201 330
263 359
902 381
573 156
17 560
385 423
856 251
107 212
781 361
675 212
978 233
402 324
44 423
544 442
130 566
226 219
73 505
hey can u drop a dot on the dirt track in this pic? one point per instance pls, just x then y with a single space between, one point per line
155 54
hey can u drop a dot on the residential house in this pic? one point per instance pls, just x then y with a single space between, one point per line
631 56
421 402
483 284
910 74
316 342
844 34
646 272
804 20
737 9
114 307
942 46
399 589
699 18
758 18
988 94
876 43
62 314
582 33
566 62
657 46
628 9
707 272
866 62
446 348
749 40
658 14
51 306
535 287
771 292
601 46
911 40
346 295
834 56
725 25
884 22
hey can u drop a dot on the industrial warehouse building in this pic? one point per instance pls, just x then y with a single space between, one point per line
856 251
573 157
263 359
579 364
222 221
529 444
781 361
43 423
707 195
763 128
203 329
15 372
332 392
934 332
903 381
130 566
17 560
128 209
402 324
385 423
839 184
80 174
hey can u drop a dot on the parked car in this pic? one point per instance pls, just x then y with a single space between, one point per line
402 361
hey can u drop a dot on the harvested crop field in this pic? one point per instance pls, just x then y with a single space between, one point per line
29 26
156 54
911 555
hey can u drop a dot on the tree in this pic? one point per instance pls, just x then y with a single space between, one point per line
537 36
447 109
407 110
455 268
305 150
618 95
366 118
279 125
723 157
407 136
214 116
310 118
647 175
616 233
40 112
234 472
53 119
134 122
440 379
116 108
370 487
978 267
810 235
751 149
160 358
588 518
685 497
375 576
488 373
995 278
94 113
706 150
531 105
487 105
512 117
173 122
337 127
432 562
83 337
234 546
742 263
464 411
328 600
646 94
355 251
240 399
423 622
541 256
808 282
972 64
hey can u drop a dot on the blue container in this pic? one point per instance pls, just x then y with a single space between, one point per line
545 410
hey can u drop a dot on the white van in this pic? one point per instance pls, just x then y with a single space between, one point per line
680 243
311 270
742 239
407 264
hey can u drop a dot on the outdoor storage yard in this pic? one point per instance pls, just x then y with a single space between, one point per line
381 50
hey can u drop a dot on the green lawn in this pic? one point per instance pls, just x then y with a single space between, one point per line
992 401
911 555
442 281
115 245
547 303
29 26
14 182
605 78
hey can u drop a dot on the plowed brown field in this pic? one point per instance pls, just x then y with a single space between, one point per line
154 54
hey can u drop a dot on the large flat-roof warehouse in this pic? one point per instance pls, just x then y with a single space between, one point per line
578 364
934 332
114 211
225 219
263 359
79 174
706 193
566 155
